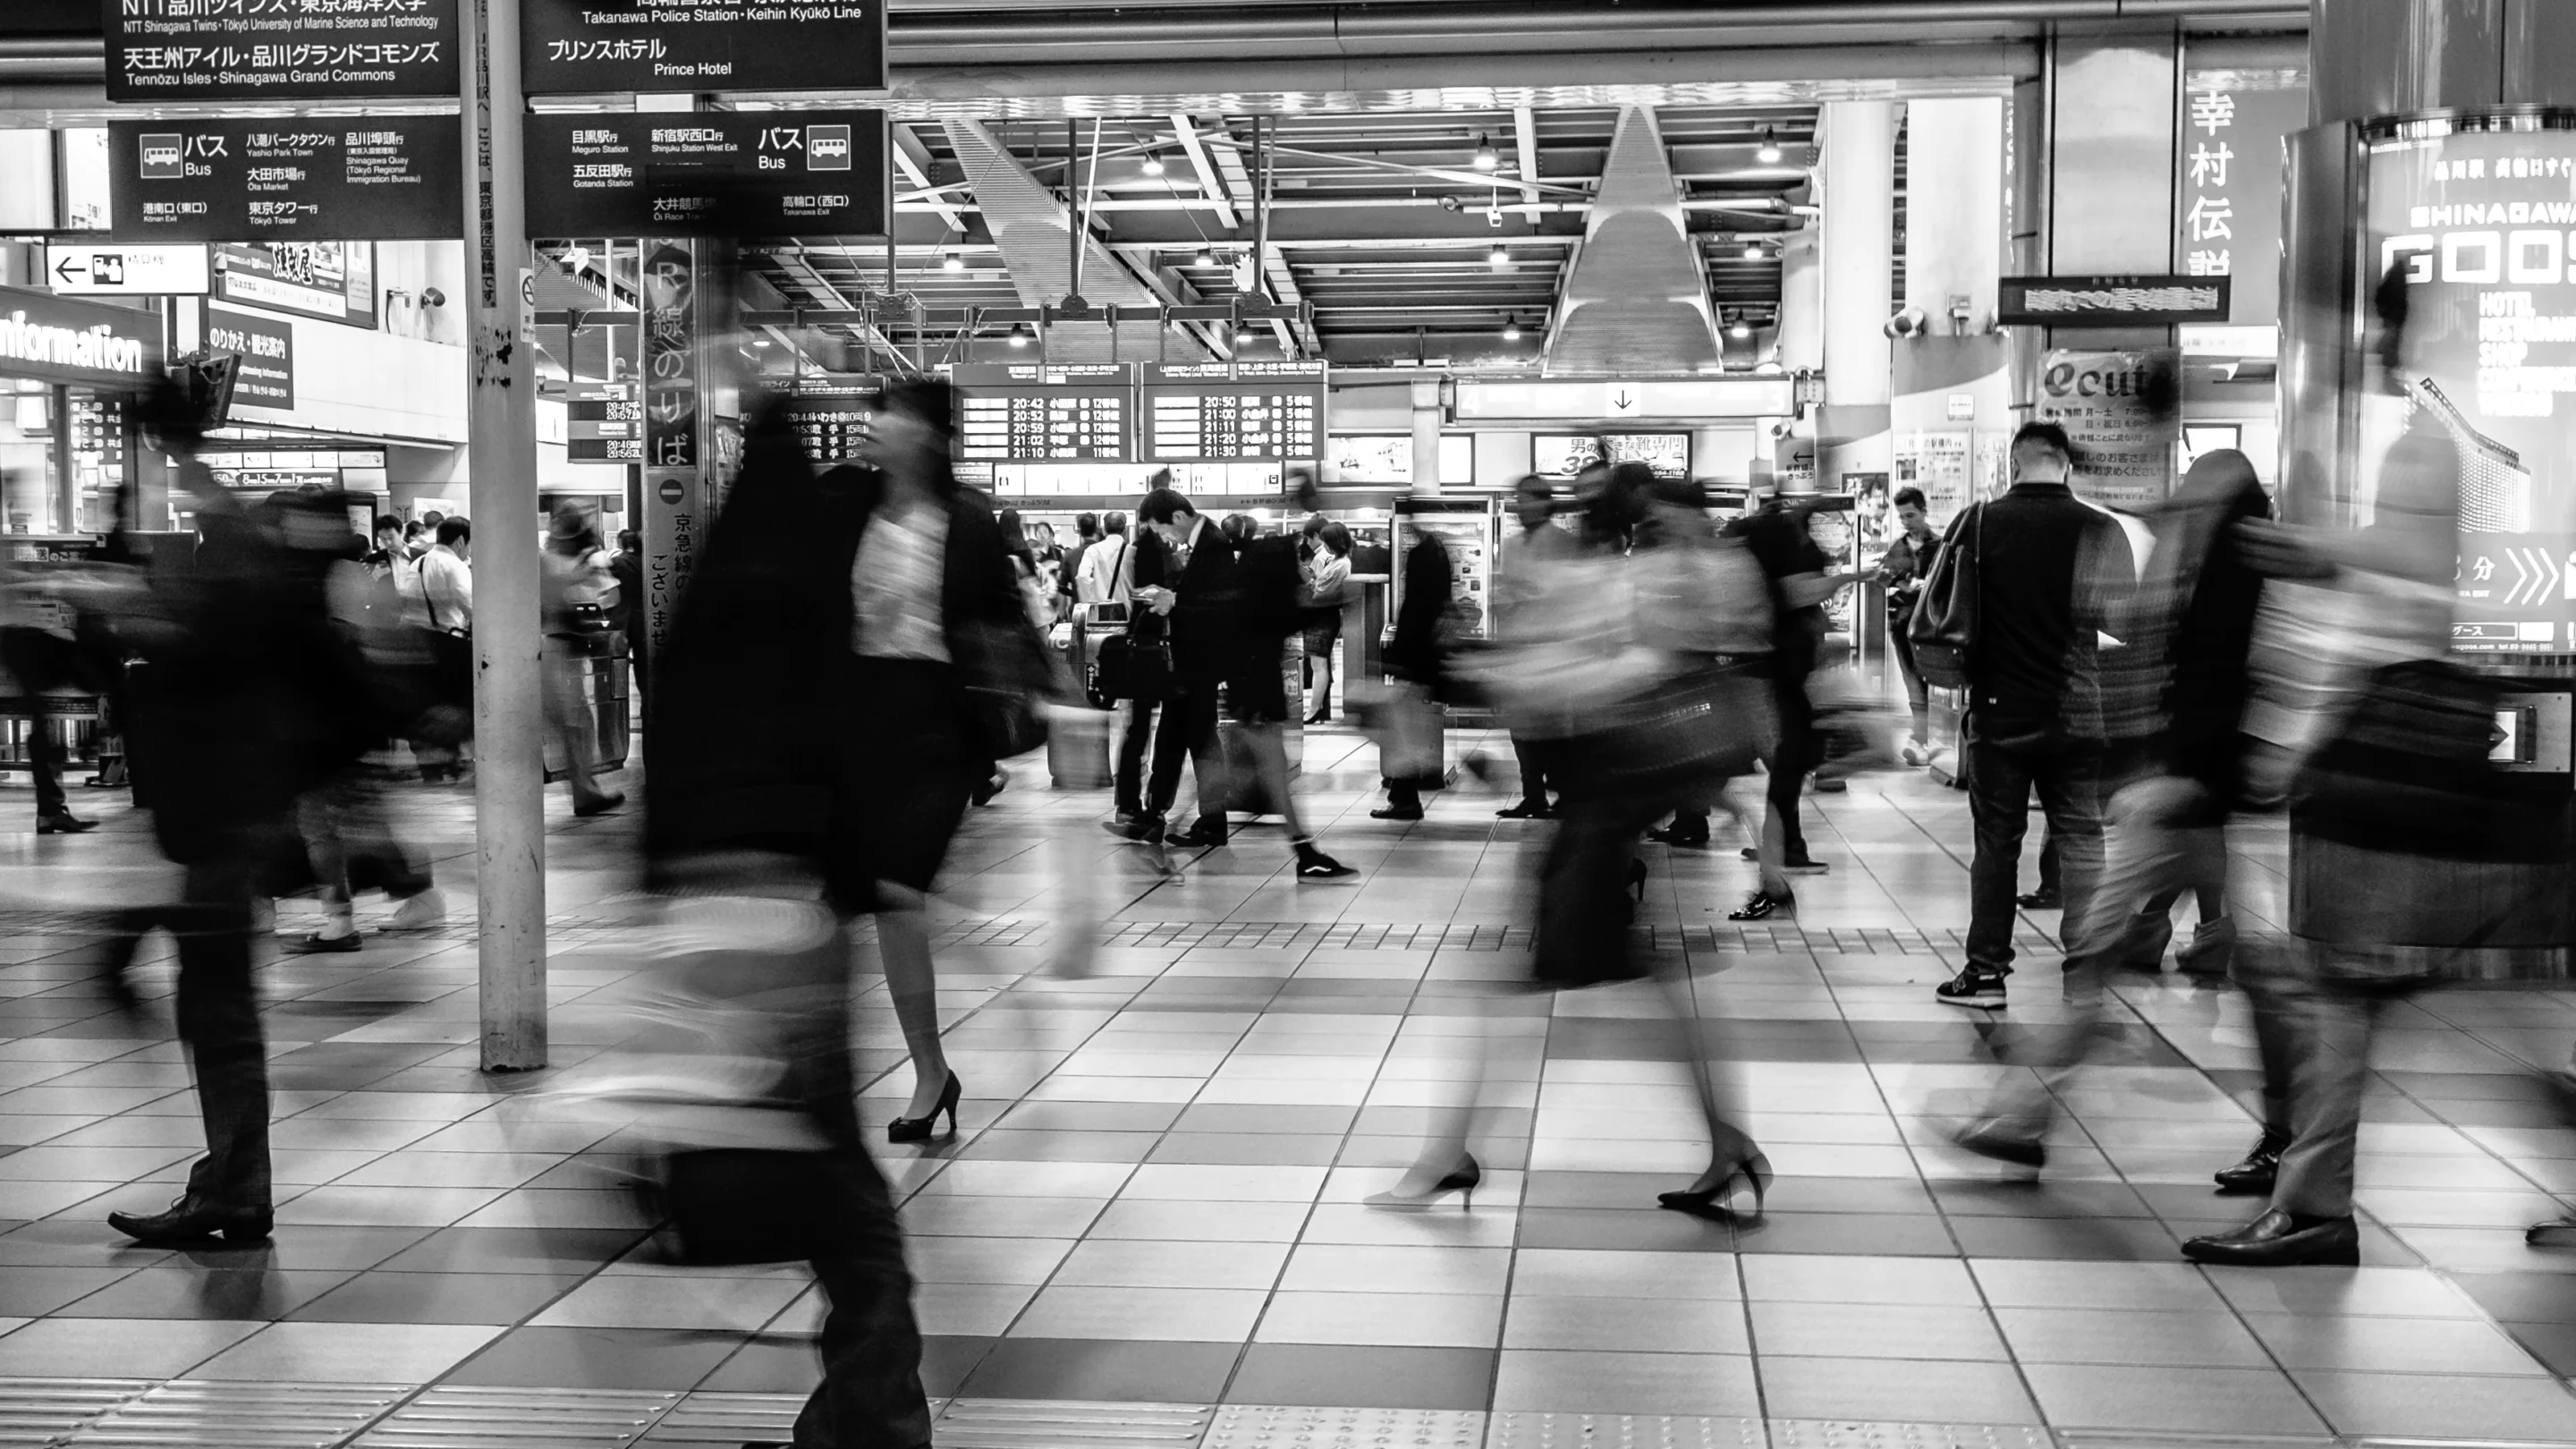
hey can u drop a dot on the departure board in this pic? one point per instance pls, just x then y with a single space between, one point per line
831 427
1270 411
1037 413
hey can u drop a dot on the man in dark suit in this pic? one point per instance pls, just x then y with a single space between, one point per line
1199 605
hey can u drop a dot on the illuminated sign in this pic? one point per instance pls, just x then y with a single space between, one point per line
286 179
756 173
1041 413
2228 175
1265 412
704 45
57 339
2110 301
159 51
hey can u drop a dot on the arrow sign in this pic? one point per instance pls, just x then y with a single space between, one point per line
1624 401
65 270
2521 575
130 271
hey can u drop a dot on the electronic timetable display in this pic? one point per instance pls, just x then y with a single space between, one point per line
1043 413
1243 412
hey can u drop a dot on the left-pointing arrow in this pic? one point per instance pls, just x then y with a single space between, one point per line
65 270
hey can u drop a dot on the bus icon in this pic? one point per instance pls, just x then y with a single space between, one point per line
827 148
162 157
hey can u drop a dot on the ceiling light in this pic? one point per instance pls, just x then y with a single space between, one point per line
1153 163
1020 336
1753 251
1242 335
1741 330
760 342
1769 154
1511 331
1486 157
953 262
1498 258
1770 367
1205 258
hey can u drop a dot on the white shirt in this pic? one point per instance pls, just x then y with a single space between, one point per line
447 590
1108 571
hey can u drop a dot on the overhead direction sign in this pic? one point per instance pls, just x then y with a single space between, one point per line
108 270
703 45
740 173
2117 301
161 51
286 178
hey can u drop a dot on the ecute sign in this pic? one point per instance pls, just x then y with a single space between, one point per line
54 339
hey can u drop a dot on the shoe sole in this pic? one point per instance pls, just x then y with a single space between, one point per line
1980 1003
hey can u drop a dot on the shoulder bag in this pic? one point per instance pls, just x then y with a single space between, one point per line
1944 627
1138 663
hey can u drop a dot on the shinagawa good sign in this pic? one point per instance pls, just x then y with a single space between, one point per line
754 173
258 50
702 45
286 178
59 339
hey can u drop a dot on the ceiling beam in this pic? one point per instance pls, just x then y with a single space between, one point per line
913 160
1187 131
1525 130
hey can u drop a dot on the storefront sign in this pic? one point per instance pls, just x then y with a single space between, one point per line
335 281
267 348
162 51
78 269
60 339
702 45
2483 228
744 173
287 178
2110 301
2123 411
2229 176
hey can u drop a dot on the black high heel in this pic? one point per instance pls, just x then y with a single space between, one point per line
917 1129
1711 1202
1637 878
1462 1181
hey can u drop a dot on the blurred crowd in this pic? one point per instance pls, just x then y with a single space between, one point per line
860 650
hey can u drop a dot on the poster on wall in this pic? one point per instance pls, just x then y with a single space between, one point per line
1564 455
2482 226
2228 178
1937 463
2123 412
332 280
266 378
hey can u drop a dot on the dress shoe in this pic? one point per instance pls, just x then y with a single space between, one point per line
1134 827
1205 834
1392 813
2002 1140
1525 810
2278 1240
599 804
193 1222
1690 837
318 944
1802 865
2041 901
63 822
2257 1172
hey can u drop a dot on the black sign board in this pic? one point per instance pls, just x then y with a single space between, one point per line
703 45
286 178
263 50
2110 301
64 339
267 349
831 427
740 173
1257 416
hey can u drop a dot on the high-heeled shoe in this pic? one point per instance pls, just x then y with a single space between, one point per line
1637 878
1713 1202
1462 1180
917 1129
1321 716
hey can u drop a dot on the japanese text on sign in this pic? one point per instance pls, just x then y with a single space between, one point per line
165 50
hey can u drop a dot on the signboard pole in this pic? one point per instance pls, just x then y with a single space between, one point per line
509 736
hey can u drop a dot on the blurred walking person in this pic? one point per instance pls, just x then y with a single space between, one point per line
1412 743
580 592
1327 582
2034 721
1527 555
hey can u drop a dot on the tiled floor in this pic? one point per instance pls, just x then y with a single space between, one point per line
1150 1229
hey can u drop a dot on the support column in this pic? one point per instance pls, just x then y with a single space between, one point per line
2113 112
1858 182
1951 395
1426 435
509 737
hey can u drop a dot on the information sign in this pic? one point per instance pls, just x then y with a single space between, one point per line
832 427
87 269
2227 221
1041 413
332 280
1274 415
2110 301
267 348
774 173
604 423
162 51
286 178
63 339
702 45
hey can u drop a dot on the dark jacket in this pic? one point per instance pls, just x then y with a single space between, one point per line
628 570
2198 571
1205 628
1778 539
2044 560
1430 581
747 682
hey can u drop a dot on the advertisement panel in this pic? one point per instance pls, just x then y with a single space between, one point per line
671 479
705 45
267 348
2123 412
735 174
331 280
1563 455
286 178
163 51
2482 225
2229 171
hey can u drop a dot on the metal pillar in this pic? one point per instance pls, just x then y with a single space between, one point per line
1426 436
509 738
1859 176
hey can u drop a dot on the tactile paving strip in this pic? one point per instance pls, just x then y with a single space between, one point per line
1622 1431
460 1417
730 1420
1067 1424
1860 1434
46 1411
226 1414
1259 1426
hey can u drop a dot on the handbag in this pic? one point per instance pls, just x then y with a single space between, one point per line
1944 627
1706 724
1133 666
1005 698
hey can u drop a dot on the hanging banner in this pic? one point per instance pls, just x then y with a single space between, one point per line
160 51
749 173
673 527
2123 411
702 45
2228 170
